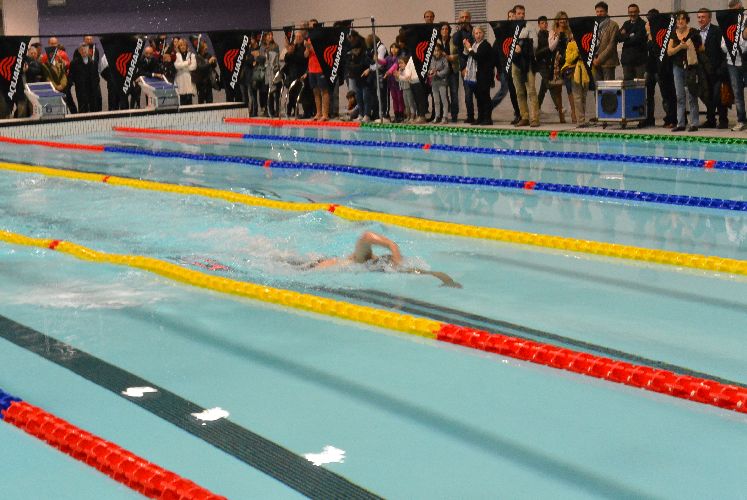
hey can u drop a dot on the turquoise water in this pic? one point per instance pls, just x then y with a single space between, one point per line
417 419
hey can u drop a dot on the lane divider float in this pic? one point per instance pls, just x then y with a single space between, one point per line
642 254
568 189
699 390
523 153
119 464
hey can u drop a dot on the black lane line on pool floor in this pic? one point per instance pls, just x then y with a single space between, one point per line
264 455
477 322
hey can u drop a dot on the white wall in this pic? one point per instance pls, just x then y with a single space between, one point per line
285 12
20 17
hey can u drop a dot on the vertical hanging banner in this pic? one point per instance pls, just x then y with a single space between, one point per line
586 33
507 36
331 47
421 40
12 51
732 25
123 52
230 48
661 26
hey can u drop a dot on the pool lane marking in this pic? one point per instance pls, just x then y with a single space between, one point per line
567 189
654 256
108 458
670 162
687 387
477 322
254 450
458 180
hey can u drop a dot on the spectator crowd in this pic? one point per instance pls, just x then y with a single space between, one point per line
468 76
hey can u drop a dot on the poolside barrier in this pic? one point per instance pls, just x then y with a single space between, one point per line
119 464
667 257
272 122
695 389
523 153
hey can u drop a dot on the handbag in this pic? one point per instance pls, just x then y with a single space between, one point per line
470 76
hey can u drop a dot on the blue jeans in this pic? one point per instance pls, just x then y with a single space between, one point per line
454 94
357 87
685 96
502 91
738 75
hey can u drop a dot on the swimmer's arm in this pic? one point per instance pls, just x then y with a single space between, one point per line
446 280
326 263
363 253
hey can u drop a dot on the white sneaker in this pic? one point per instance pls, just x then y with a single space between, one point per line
445 120
739 127
366 119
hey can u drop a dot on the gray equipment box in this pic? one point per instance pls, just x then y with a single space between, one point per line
45 100
159 92
621 101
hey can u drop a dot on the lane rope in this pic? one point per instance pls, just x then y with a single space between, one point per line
655 256
483 131
688 387
110 459
566 189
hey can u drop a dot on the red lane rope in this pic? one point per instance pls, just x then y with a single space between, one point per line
195 133
50 144
114 461
293 123
699 390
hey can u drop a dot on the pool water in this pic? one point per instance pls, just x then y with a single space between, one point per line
415 418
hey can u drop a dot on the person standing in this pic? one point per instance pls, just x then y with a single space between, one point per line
606 60
465 34
713 69
485 60
523 72
205 75
318 82
682 49
84 73
452 55
184 63
543 58
576 71
634 41
737 72
558 40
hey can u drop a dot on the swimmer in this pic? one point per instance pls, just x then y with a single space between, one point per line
363 254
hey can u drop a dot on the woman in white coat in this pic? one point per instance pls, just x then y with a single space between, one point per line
185 63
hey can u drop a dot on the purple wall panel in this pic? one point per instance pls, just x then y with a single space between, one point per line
151 16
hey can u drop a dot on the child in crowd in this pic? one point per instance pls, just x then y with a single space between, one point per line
392 65
353 110
403 77
439 72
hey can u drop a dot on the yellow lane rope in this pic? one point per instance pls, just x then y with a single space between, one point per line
668 257
372 316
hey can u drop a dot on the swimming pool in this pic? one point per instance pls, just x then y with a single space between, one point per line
415 418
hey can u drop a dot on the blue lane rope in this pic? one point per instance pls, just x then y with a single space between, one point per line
620 194
5 401
525 153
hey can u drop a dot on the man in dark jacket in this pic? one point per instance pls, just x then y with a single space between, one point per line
95 55
465 34
634 40
147 66
543 58
712 62
84 74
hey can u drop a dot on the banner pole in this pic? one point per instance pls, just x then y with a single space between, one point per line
376 63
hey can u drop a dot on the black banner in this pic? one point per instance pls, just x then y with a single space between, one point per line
507 36
122 53
731 22
12 52
586 33
230 49
421 40
331 47
661 27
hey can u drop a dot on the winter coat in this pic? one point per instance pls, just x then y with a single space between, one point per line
184 66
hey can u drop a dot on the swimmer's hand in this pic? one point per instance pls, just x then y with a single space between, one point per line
451 284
